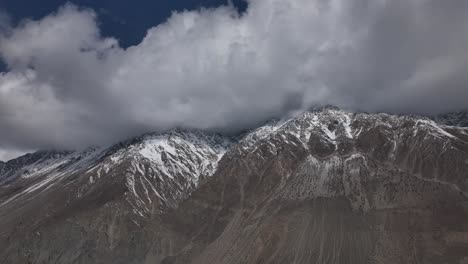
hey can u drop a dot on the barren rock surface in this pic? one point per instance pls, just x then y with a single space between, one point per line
324 187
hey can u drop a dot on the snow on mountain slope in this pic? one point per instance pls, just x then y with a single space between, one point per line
163 169
159 170
459 119
330 186
327 131
170 166
325 184
39 171
332 123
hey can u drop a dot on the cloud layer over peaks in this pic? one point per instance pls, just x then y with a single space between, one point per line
213 69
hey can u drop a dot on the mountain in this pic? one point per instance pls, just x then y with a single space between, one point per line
454 119
326 186
92 191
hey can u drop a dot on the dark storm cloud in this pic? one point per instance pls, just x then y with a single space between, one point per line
213 69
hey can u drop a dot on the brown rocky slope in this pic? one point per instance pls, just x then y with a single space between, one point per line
324 187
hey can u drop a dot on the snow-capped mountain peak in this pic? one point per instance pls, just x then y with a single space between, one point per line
184 195
165 167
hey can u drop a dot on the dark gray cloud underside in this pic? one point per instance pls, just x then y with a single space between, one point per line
68 87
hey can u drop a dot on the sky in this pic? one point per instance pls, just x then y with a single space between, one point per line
79 73
126 21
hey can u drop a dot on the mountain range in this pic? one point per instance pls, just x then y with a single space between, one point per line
326 186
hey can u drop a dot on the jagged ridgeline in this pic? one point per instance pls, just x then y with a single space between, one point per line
326 186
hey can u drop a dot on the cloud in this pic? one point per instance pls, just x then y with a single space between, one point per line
213 69
7 154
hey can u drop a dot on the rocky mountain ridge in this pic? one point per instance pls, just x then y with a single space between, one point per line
326 186
459 119
334 187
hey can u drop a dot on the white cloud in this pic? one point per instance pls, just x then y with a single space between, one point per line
212 69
